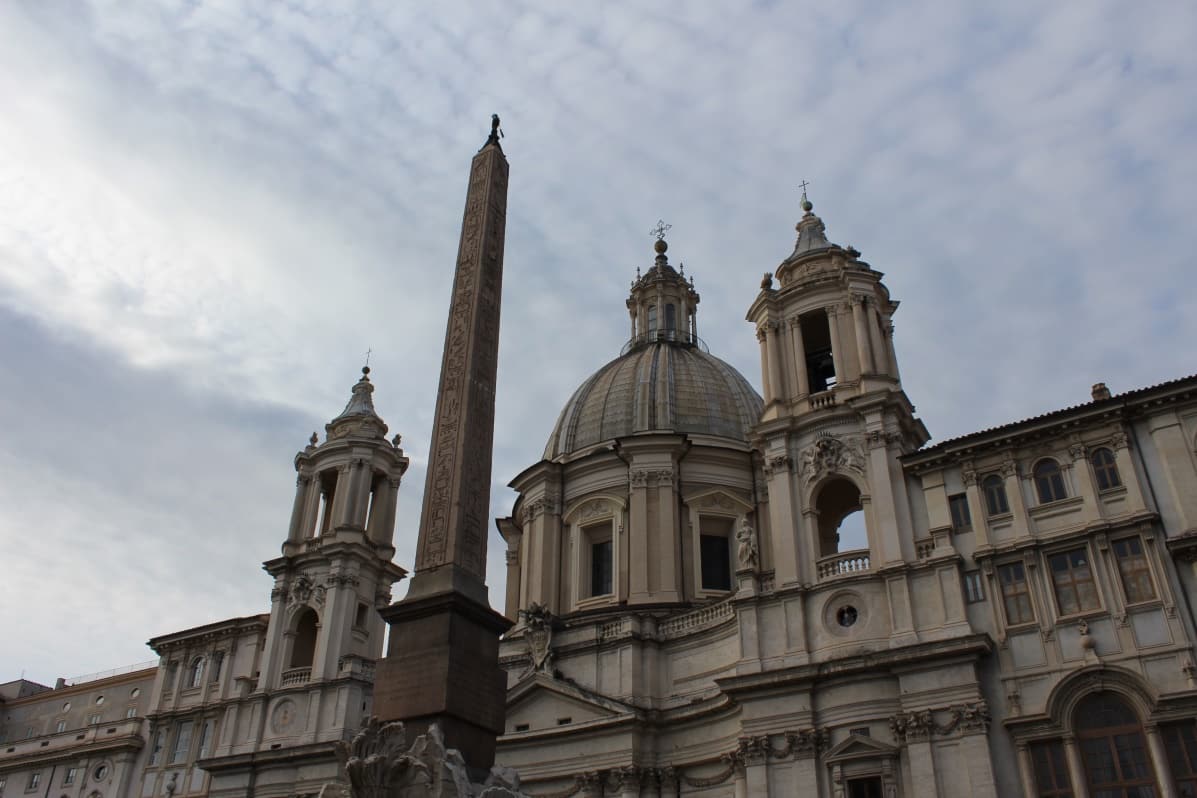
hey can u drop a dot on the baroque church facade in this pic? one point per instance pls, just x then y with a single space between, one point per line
690 617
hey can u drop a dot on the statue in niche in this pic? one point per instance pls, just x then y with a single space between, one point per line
538 635
747 551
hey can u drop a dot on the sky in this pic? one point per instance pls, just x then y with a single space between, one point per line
210 210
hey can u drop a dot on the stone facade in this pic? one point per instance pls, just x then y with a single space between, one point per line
689 622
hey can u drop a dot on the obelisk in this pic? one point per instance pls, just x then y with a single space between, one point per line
442 662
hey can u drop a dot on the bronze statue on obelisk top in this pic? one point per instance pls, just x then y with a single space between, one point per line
442 663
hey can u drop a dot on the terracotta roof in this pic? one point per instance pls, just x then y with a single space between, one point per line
1116 400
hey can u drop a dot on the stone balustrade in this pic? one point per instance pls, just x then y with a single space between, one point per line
845 563
296 676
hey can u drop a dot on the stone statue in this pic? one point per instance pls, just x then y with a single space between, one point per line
172 785
379 764
747 552
538 635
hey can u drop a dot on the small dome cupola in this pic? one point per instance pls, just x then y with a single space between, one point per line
662 303
359 418
812 233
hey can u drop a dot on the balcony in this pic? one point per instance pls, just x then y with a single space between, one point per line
296 676
845 563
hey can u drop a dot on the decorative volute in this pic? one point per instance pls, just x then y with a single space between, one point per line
662 304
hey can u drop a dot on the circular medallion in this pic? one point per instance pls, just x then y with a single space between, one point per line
285 716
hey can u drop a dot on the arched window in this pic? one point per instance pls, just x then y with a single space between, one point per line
995 495
1105 469
841 518
1113 748
1049 481
195 674
303 650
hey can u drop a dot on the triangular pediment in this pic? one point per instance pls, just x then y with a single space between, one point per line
857 746
540 702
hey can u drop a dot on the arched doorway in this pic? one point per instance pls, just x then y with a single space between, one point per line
1113 748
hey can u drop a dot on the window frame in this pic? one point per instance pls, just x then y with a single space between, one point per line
1105 471
68 775
1144 569
195 673
959 501
35 779
999 571
1073 583
999 482
974 587
181 749
1048 476
1056 760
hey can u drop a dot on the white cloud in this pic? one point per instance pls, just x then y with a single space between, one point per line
239 199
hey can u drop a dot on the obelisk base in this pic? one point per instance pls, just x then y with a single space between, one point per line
442 666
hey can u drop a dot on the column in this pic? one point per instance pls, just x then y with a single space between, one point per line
781 521
976 506
311 508
980 766
799 356
884 519
873 322
1026 772
891 351
837 355
1127 472
756 779
922 768
667 539
1018 506
295 533
637 537
775 377
336 514
1076 769
1159 761
1091 509
766 387
632 314
1172 444
862 339
512 598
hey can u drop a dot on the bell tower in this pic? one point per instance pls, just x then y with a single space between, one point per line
836 419
335 572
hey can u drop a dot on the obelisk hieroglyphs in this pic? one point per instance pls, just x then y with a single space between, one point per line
442 662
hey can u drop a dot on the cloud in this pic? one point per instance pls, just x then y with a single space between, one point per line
209 211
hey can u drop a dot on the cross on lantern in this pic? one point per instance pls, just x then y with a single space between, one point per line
660 230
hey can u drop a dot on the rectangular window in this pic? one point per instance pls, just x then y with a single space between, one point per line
652 318
1072 578
1051 770
131 712
205 740
974 588
962 521
1016 596
93 720
182 743
69 776
1133 570
715 551
34 780
60 727
816 340
156 751
1180 740
600 568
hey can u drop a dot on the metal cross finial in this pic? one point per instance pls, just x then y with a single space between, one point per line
804 184
660 230
368 351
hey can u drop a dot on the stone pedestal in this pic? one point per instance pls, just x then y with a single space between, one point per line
442 666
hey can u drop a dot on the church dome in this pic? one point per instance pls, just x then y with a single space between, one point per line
657 386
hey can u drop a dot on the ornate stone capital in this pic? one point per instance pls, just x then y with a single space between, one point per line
778 463
919 725
512 557
1077 452
968 473
638 478
760 333
1009 467
1119 440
